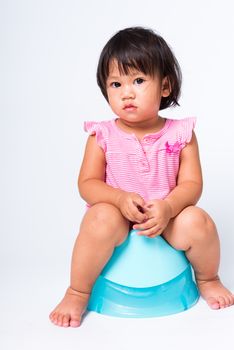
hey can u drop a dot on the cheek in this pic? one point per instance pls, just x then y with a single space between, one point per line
113 99
152 98
155 98
113 104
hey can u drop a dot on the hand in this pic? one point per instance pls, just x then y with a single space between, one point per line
130 205
159 214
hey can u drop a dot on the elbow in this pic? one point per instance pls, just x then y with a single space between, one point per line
198 187
79 184
86 187
81 187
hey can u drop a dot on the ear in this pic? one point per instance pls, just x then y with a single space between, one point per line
166 87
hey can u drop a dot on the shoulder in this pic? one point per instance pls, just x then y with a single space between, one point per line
182 129
184 123
102 130
92 127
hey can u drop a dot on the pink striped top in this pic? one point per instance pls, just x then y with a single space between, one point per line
148 167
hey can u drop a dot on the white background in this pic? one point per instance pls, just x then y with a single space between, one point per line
48 56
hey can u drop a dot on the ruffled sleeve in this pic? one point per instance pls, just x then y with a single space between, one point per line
179 135
185 130
188 125
96 128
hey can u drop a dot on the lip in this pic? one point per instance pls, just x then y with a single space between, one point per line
129 107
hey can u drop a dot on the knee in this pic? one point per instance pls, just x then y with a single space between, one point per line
105 214
104 221
198 222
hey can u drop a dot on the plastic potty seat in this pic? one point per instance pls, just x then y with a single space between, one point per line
145 277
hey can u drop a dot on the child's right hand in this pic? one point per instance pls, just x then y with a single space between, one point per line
130 204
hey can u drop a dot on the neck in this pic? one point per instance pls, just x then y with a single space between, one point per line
142 127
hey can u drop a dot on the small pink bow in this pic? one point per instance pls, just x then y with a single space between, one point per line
173 148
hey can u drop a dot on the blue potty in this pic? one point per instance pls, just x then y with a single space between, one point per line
145 277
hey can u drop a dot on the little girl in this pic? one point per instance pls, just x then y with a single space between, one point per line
140 170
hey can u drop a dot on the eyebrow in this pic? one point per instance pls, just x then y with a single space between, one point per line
113 77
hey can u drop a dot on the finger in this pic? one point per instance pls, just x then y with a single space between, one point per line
154 235
132 214
149 211
158 233
129 215
146 225
149 204
154 231
138 200
138 216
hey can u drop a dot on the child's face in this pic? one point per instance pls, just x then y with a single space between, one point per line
135 97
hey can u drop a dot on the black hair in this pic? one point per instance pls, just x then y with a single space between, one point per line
144 50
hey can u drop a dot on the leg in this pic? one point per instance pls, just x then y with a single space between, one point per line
102 229
194 232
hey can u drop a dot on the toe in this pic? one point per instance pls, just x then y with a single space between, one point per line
231 299
54 318
213 303
52 315
66 321
227 300
222 302
75 322
60 320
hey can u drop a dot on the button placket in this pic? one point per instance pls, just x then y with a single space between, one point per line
142 159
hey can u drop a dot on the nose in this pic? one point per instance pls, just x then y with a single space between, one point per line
127 92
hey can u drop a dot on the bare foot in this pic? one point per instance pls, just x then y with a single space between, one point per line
215 294
69 312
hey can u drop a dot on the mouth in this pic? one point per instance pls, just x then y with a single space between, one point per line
129 108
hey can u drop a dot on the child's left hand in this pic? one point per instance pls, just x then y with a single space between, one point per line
159 214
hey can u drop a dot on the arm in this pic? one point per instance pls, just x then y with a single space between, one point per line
187 192
93 189
91 181
189 181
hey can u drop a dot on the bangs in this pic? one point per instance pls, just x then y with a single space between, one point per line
134 52
128 62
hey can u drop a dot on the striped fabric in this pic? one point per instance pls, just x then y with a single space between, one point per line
148 167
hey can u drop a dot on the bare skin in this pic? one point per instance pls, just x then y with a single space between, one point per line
176 218
192 231
69 312
94 246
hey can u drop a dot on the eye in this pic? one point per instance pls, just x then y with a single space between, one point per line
138 81
115 84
